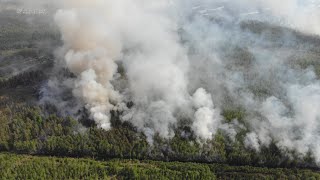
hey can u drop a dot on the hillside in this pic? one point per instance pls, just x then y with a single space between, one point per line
201 96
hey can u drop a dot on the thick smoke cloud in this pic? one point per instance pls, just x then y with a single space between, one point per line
91 51
192 60
99 33
206 118
280 100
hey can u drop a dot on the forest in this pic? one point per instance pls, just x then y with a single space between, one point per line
61 139
31 167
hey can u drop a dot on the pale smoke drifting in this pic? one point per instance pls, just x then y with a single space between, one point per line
96 34
298 13
293 13
91 50
206 118
170 50
296 131
289 113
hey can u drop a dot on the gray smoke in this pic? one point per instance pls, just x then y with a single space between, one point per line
280 99
194 59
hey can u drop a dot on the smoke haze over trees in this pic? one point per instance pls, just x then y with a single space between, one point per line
199 80
193 61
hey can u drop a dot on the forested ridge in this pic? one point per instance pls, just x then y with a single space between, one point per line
38 141
28 130
40 130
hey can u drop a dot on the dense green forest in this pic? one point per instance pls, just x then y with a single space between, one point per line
30 134
29 130
30 167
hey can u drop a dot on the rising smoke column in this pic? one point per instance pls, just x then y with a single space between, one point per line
281 101
91 48
171 50
144 36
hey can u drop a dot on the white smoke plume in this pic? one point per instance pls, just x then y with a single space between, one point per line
287 111
193 59
98 33
92 48
206 118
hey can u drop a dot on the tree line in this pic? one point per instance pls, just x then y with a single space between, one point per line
32 167
27 130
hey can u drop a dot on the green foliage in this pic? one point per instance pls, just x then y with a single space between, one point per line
4 132
30 130
16 32
28 167
26 130
31 167
23 79
234 114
